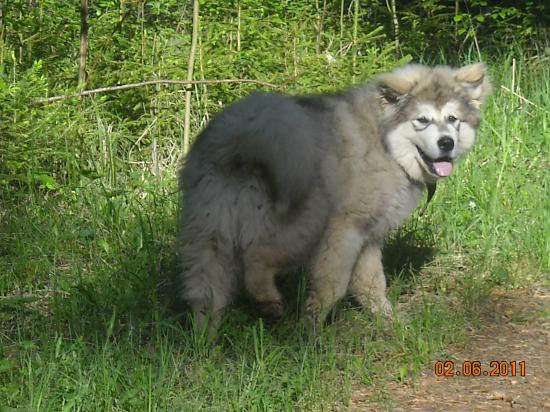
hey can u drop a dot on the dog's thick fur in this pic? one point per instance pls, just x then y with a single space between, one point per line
276 181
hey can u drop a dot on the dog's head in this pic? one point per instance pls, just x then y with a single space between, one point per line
430 116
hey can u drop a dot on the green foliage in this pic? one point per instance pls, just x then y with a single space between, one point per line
22 158
452 28
59 145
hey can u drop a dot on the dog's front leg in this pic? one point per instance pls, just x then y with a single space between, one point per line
332 267
368 283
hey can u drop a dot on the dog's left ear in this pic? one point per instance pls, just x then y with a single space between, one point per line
473 78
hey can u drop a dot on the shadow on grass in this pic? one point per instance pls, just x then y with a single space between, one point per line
129 286
141 288
407 252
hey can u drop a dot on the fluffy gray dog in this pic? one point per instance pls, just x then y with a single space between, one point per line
276 181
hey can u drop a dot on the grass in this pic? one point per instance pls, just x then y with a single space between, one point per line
88 320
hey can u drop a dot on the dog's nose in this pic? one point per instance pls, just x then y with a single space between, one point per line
446 143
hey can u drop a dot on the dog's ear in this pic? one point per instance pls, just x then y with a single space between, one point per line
473 78
392 88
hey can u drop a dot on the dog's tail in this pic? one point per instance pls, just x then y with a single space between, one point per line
270 131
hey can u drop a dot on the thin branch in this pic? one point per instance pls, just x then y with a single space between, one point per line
145 132
523 99
355 25
83 43
341 23
52 99
190 68
320 23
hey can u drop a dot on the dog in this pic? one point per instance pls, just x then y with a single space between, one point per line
275 181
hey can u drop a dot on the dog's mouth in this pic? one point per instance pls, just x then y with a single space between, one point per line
440 167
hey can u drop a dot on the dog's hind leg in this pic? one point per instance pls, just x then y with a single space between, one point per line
259 279
209 288
368 283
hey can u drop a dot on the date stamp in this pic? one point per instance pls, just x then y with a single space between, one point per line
494 368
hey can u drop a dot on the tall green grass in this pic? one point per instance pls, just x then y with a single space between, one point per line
88 319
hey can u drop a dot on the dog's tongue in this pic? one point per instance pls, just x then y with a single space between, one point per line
443 168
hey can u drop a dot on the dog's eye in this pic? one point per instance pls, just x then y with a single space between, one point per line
451 118
423 120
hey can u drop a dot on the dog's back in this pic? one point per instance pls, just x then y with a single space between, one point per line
265 133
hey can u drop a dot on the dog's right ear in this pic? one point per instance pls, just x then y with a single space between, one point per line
392 88
475 81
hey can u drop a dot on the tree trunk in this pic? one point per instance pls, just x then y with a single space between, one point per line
320 23
83 43
457 9
341 25
395 20
1 33
355 27
239 27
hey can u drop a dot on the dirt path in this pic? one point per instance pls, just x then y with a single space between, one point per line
519 332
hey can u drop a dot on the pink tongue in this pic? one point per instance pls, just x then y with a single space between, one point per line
443 168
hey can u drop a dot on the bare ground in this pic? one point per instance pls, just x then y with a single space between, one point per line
518 329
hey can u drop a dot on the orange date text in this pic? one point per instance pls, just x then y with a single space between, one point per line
494 368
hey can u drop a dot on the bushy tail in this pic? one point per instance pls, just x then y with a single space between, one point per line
270 131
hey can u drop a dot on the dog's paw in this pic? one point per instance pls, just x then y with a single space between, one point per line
313 315
382 308
271 311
